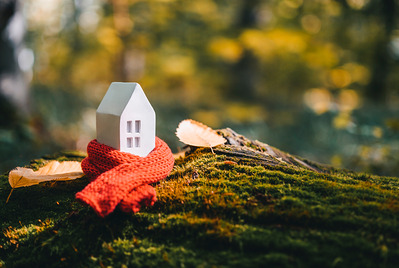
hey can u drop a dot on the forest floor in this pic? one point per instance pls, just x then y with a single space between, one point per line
246 205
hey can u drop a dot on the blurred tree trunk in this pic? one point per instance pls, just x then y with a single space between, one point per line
246 70
123 25
382 63
13 87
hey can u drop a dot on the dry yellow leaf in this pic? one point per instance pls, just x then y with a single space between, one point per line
197 134
54 170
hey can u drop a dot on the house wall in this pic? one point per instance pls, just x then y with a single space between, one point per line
108 129
138 109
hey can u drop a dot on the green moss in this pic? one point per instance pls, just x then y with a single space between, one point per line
221 210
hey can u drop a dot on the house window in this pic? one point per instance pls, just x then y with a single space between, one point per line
137 126
129 126
129 142
137 142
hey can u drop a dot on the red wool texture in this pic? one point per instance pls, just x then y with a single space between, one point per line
122 179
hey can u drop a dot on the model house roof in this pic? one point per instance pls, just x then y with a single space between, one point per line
117 97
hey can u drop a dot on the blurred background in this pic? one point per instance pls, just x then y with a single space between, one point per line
316 78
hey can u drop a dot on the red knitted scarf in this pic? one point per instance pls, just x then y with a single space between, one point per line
120 178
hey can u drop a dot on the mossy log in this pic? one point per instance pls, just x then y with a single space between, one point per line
246 205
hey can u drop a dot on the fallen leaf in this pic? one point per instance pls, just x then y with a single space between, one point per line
197 134
54 170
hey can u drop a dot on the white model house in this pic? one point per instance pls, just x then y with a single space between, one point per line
125 119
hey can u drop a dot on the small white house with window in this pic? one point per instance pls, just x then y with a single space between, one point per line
125 119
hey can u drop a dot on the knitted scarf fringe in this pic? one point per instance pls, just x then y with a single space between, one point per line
122 179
